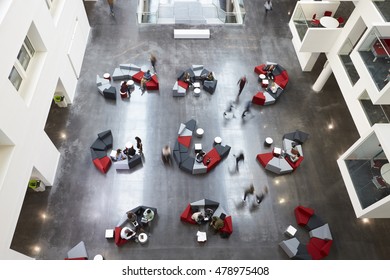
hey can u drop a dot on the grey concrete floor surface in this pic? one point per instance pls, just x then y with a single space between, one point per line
83 203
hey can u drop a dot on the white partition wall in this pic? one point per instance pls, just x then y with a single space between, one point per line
45 32
358 34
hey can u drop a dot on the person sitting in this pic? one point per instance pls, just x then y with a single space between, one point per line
208 213
119 155
132 217
198 217
217 223
187 78
147 216
147 76
124 89
210 76
127 233
130 152
199 156
294 153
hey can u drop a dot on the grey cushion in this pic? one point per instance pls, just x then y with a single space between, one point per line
78 251
98 154
187 164
223 151
314 222
134 161
210 86
110 93
191 124
98 145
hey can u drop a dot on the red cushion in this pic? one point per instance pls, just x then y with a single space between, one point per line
214 157
294 165
259 69
303 214
117 237
264 158
185 140
76 259
182 84
153 83
282 79
103 164
318 248
186 216
228 225
259 98
138 77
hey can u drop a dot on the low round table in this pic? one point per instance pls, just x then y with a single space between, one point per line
268 141
199 132
98 258
142 238
264 83
385 172
107 76
217 140
196 92
130 83
261 77
329 22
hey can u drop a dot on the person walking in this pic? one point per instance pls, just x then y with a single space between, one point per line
239 158
229 113
261 196
267 6
111 5
153 61
248 191
247 109
241 82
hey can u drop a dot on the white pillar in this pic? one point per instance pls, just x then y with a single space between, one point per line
323 77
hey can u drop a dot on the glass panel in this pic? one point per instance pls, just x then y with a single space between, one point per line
384 8
15 78
29 46
375 113
24 57
300 22
347 62
375 52
369 167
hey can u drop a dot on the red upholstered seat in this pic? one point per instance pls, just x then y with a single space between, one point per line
303 214
182 84
153 83
117 237
184 140
294 165
264 158
103 164
259 98
228 225
187 214
214 159
282 79
318 248
76 259
259 69
138 77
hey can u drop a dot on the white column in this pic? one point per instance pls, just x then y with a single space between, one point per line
323 77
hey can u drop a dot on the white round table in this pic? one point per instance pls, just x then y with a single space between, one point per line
107 76
199 132
269 141
217 140
262 76
130 83
385 172
142 238
98 258
196 92
329 22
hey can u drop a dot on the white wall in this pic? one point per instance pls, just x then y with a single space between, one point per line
23 116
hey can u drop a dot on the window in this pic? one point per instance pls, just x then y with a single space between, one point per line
18 72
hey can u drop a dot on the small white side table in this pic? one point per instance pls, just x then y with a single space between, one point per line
217 140
98 257
196 92
142 238
290 231
109 233
269 141
199 132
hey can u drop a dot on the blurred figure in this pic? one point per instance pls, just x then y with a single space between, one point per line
153 61
239 157
111 5
241 82
247 109
139 145
248 191
261 196
229 113
166 154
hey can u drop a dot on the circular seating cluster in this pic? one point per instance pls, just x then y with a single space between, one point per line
320 236
197 73
217 211
274 88
123 73
136 225
279 160
188 163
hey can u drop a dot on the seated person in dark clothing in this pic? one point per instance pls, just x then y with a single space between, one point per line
147 76
210 76
187 78
198 217
130 152
217 223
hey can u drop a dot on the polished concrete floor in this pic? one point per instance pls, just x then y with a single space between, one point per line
83 203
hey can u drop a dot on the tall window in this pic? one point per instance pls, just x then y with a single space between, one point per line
18 72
